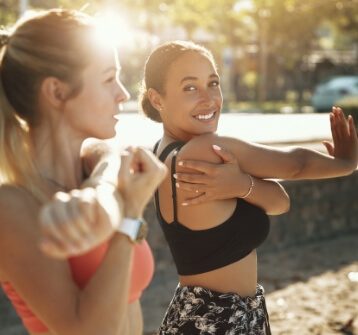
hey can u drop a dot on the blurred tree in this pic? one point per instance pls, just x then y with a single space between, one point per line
8 11
344 14
283 31
192 14
287 30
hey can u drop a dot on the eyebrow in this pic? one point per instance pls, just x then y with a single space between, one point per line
195 78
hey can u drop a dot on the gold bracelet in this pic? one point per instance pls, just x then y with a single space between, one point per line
250 188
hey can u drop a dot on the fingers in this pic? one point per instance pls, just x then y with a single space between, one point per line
194 188
225 155
209 168
52 241
126 164
340 123
151 165
139 186
82 208
192 178
352 127
196 200
199 166
67 223
329 147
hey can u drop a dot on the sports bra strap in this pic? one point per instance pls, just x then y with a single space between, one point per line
156 145
164 154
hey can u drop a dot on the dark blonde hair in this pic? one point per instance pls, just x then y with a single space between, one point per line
49 43
157 67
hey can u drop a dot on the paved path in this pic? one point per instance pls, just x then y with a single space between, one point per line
311 289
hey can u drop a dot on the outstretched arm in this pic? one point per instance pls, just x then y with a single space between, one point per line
268 162
301 163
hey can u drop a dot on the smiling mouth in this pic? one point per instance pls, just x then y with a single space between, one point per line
205 117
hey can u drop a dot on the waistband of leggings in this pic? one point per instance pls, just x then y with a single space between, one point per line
259 295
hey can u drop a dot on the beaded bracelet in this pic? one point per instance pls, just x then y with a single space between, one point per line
250 188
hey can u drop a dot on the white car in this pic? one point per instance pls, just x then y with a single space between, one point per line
327 94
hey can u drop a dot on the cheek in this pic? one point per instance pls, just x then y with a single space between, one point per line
219 98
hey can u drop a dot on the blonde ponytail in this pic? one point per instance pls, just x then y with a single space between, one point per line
48 43
16 161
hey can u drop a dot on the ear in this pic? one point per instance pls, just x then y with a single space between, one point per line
54 91
155 99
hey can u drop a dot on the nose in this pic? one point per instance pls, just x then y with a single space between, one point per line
207 98
122 94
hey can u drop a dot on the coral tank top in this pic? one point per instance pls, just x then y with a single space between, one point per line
83 267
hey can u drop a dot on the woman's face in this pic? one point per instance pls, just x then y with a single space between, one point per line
92 112
192 100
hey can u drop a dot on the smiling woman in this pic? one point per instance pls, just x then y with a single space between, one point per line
214 242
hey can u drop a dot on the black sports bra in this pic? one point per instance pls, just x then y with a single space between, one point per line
199 251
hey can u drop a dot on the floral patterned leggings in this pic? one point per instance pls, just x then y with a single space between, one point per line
197 310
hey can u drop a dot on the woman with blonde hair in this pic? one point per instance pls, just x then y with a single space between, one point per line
58 87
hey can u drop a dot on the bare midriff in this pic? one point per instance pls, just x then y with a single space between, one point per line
239 277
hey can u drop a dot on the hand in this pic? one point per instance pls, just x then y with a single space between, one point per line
75 222
140 175
214 181
345 141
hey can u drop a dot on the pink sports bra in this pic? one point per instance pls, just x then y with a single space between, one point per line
83 267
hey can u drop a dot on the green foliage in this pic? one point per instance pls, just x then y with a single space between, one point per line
8 12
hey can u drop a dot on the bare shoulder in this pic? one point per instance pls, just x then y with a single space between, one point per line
201 147
18 224
16 207
11 196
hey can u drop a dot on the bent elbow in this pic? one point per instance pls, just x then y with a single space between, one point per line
282 207
278 210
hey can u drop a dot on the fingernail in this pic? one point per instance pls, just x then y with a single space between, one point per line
175 175
184 204
216 147
180 163
177 185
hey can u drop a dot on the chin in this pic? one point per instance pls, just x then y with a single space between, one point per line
105 135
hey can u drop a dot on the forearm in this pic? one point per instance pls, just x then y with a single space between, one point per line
105 300
267 194
102 305
316 165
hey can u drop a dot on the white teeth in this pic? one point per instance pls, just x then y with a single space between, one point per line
205 116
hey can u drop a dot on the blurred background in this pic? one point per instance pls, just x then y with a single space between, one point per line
283 64
274 55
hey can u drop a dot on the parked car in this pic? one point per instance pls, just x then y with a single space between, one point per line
328 93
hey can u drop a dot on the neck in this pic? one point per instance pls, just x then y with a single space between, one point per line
57 156
170 136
